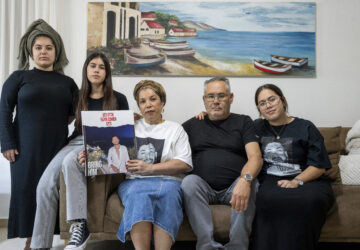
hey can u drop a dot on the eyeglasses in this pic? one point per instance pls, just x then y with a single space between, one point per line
272 100
211 97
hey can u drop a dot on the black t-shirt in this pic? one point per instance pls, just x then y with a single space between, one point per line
218 148
97 104
300 145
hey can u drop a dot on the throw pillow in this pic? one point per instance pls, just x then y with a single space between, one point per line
350 169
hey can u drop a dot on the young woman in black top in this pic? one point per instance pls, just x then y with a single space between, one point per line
96 93
294 197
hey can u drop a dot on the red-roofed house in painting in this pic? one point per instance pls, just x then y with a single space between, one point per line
152 30
182 32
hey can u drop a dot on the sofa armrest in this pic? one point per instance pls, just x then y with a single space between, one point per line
99 189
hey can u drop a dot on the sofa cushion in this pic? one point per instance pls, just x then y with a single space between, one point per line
344 223
114 208
334 172
333 147
331 139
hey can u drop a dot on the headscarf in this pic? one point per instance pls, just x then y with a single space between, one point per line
40 27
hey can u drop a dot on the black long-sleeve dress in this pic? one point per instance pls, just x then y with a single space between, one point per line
43 102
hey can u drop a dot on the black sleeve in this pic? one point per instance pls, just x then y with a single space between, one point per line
9 95
75 97
317 155
186 125
248 131
121 101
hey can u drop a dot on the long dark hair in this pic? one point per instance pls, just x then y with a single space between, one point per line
277 91
109 101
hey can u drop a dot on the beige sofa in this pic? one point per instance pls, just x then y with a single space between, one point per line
105 209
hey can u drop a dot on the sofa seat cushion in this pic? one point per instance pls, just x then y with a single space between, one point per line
114 211
220 213
344 222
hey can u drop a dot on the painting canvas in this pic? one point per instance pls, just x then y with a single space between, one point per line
205 38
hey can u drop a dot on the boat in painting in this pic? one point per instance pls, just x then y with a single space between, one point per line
169 45
271 67
179 52
294 61
138 60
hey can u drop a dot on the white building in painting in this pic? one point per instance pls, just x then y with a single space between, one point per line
152 30
179 32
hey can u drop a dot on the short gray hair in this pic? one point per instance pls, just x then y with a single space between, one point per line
218 78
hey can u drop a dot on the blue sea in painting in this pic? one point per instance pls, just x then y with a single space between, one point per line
238 46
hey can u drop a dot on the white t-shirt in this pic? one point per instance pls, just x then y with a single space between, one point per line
161 142
118 162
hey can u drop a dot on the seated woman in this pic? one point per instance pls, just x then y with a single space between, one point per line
294 197
96 93
151 192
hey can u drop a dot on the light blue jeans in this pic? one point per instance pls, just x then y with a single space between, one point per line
47 197
198 195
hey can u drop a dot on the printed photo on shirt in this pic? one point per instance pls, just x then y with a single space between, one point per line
149 149
278 156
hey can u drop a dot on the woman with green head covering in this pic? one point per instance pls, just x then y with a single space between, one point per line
42 98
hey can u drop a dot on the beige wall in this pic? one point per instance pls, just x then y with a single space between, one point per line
95 24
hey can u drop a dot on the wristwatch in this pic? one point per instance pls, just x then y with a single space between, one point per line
248 177
299 181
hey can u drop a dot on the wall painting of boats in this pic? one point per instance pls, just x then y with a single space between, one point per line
205 38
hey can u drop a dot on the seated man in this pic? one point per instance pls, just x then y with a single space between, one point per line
226 159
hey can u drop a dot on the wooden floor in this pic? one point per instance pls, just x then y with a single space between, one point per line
15 244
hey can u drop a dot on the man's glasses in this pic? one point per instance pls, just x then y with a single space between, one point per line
212 97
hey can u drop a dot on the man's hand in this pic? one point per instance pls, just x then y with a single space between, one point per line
240 196
139 167
288 184
10 154
81 158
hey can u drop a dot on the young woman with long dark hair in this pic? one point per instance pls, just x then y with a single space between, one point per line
96 93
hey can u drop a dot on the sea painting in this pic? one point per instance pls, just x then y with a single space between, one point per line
237 39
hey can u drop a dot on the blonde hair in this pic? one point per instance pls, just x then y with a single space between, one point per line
149 84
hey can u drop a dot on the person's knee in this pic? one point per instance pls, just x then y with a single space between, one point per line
190 184
69 162
45 190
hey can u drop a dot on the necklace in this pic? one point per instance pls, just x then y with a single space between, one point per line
276 133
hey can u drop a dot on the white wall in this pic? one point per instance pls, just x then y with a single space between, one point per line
330 99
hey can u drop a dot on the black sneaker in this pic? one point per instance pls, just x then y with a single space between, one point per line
79 236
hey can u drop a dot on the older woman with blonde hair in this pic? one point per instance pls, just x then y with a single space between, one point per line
151 193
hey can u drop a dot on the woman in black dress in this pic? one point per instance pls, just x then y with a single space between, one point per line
294 197
42 99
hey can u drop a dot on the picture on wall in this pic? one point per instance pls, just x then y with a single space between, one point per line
205 38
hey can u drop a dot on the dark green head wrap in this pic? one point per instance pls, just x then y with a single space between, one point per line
40 27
